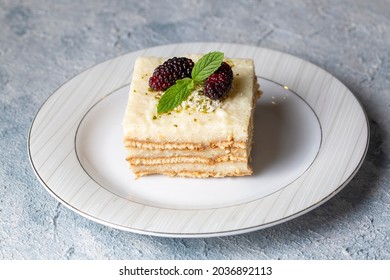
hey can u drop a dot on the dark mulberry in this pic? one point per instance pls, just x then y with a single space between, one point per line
170 71
219 83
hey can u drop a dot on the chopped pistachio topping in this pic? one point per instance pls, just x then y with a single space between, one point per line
198 102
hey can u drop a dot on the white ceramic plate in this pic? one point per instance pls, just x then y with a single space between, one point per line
311 136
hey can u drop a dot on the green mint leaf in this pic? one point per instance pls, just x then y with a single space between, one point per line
175 95
206 66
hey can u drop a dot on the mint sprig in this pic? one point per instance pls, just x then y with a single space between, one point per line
175 95
179 92
206 66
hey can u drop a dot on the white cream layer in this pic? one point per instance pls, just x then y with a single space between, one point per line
227 123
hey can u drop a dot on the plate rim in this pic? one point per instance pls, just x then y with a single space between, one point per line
205 233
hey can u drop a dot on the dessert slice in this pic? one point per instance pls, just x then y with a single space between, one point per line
202 137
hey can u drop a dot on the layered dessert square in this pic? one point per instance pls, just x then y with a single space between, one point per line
201 137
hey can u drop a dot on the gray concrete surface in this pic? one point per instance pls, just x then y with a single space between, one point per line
44 43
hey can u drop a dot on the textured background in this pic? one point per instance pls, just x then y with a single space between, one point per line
44 43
